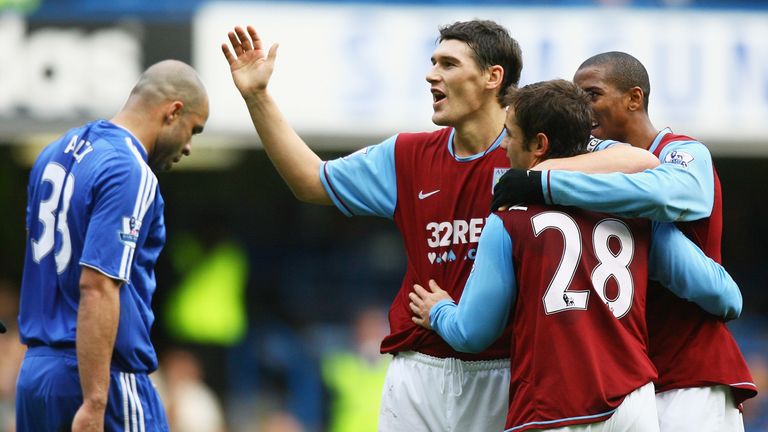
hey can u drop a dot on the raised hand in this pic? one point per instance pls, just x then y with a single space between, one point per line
251 68
422 301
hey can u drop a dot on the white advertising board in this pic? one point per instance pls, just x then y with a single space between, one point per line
358 70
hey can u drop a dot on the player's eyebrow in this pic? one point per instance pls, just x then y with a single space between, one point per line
444 58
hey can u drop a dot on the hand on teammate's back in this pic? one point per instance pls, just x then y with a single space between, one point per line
517 186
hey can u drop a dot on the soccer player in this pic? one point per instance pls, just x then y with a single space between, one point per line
95 229
436 186
572 282
703 377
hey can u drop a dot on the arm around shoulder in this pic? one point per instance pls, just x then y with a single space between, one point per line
621 158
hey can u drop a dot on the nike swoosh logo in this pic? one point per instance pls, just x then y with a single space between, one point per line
423 195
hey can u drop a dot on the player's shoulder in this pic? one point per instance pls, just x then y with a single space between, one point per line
682 150
424 138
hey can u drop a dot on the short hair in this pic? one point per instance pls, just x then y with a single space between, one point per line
623 71
557 108
171 80
491 45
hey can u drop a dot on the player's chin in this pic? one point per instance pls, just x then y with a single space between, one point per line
441 119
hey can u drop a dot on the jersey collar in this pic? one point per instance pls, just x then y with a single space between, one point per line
493 147
657 140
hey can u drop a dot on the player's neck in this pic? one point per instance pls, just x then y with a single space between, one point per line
477 135
642 134
137 125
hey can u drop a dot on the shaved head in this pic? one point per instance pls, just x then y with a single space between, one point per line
170 80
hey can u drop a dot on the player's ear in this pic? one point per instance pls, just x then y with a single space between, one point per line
495 76
541 147
173 111
635 99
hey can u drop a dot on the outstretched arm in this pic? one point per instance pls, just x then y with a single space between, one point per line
251 70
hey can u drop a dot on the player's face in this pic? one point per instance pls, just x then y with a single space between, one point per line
175 139
609 105
457 84
519 154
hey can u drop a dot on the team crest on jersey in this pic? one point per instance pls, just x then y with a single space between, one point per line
679 158
497 173
129 235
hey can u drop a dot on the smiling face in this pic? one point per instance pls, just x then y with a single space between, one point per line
175 138
457 83
609 104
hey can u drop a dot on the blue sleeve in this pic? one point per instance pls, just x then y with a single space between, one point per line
680 266
123 190
363 183
483 310
680 189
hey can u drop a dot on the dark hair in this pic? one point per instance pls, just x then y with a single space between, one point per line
492 45
558 109
623 71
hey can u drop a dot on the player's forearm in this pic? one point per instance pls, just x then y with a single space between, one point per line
681 267
297 164
617 158
658 194
97 320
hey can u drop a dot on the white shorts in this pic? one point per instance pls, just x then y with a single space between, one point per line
637 413
424 393
699 409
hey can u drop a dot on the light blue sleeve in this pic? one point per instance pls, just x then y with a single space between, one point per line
363 183
680 189
483 310
680 266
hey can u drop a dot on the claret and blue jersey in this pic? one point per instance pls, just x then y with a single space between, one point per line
92 201
438 201
684 189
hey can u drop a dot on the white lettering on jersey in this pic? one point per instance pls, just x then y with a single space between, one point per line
78 149
679 158
450 233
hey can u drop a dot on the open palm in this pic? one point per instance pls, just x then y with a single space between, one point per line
251 68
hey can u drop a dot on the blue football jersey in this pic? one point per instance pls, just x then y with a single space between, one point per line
92 201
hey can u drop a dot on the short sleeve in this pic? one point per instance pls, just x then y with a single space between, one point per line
363 183
122 192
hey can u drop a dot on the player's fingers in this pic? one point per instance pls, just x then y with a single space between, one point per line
272 55
244 40
415 299
254 37
236 47
417 320
415 309
433 286
227 53
419 290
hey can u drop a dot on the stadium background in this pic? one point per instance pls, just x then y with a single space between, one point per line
260 291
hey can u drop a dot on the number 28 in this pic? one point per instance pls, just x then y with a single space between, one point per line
558 297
